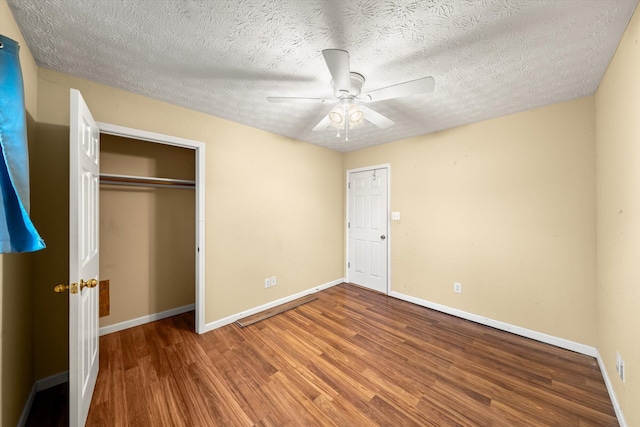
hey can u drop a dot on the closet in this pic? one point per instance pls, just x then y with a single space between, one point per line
147 228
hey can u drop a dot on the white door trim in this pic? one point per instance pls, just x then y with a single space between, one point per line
200 202
386 166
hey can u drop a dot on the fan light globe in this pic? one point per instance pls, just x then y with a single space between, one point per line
339 112
335 117
355 114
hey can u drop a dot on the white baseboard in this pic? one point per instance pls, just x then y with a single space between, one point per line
503 326
230 319
40 385
612 393
27 408
145 319
52 381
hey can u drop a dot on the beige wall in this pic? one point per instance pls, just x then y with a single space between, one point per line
16 278
618 189
147 234
507 208
50 211
274 206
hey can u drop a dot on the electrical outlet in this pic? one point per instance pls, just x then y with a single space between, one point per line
273 280
267 282
457 287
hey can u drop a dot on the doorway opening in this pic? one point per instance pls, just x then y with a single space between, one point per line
198 187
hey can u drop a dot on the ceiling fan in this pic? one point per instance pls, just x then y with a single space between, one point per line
347 86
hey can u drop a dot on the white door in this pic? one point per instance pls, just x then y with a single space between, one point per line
367 222
84 147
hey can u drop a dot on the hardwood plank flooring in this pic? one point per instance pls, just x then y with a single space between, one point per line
255 318
352 357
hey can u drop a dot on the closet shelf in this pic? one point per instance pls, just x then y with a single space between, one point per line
144 181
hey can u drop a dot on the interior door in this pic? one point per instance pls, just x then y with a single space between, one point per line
367 222
84 147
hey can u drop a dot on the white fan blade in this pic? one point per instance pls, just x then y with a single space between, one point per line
376 118
324 123
413 87
338 62
296 100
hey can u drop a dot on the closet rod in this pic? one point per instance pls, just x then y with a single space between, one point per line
143 181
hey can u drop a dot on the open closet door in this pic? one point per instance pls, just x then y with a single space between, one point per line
84 147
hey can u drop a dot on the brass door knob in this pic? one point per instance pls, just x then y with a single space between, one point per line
88 284
60 288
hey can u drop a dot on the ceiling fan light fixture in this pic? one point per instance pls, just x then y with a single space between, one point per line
340 112
355 115
336 116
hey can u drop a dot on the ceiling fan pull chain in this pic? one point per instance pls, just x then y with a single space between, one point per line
346 123
346 130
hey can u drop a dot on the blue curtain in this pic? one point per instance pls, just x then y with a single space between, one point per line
17 232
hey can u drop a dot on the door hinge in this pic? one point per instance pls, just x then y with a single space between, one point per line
349 224
348 265
349 185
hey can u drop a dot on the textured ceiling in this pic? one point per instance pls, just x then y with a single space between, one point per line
488 57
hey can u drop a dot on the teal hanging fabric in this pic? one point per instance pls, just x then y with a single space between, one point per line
17 232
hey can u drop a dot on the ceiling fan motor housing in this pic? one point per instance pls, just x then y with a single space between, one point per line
357 80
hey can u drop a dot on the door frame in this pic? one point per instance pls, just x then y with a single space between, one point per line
106 128
386 166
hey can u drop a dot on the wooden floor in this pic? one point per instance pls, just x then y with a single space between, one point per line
265 314
50 407
350 358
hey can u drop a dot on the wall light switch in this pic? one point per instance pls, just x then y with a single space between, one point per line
395 216
273 280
